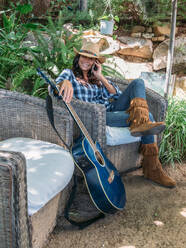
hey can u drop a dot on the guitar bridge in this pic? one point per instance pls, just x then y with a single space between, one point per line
111 177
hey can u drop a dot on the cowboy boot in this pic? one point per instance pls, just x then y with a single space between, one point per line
152 168
140 124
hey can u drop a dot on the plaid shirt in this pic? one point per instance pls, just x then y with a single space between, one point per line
91 92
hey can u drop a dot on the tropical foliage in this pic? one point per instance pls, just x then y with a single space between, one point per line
173 145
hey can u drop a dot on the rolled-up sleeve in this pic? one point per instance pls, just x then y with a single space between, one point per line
107 94
118 91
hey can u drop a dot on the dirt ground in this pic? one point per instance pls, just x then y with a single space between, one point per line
153 217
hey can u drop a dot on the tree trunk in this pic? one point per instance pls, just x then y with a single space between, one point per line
3 3
40 6
83 5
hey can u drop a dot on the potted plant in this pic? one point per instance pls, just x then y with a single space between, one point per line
107 23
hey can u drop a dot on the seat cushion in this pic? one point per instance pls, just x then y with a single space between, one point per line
117 132
119 135
49 169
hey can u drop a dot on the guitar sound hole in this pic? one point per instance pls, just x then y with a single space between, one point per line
99 158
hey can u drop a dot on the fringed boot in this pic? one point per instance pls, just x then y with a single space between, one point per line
140 124
152 168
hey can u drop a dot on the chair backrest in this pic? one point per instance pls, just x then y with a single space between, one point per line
25 116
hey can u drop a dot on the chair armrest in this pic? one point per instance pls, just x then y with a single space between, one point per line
14 227
157 104
93 116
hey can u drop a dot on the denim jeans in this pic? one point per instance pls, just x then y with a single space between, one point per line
116 115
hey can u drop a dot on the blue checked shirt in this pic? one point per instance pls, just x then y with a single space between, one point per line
90 93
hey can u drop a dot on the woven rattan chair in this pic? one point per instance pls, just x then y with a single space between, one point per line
124 156
25 116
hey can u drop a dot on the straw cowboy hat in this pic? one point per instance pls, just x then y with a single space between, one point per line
91 50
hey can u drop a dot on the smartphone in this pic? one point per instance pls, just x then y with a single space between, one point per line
94 68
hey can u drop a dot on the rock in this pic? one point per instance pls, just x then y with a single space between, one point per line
69 28
31 41
129 70
138 47
132 59
103 44
180 87
138 29
148 35
154 81
149 30
179 93
161 51
136 35
163 30
108 44
90 32
181 83
159 38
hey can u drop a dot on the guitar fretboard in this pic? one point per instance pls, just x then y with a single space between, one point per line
81 125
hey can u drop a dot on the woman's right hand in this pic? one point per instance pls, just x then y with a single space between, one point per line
66 90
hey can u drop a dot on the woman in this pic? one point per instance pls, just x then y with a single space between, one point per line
86 82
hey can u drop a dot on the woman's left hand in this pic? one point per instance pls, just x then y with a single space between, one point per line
97 73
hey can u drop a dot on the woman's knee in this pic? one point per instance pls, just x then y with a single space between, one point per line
138 83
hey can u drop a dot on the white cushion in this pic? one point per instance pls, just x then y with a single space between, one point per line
119 135
49 169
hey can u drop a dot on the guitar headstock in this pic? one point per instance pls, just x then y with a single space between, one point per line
47 78
44 74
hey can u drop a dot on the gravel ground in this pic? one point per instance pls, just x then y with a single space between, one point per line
153 217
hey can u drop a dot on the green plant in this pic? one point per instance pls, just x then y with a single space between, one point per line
108 12
14 68
72 14
112 72
11 52
173 144
54 51
109 17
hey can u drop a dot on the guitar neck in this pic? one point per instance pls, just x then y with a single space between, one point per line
70 109
80 125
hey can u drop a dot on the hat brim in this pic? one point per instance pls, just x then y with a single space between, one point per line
101 59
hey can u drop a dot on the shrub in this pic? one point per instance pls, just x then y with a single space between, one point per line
173 144
12 62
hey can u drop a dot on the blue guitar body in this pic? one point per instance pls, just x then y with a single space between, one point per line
102 179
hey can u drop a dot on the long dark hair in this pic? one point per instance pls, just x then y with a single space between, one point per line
78 72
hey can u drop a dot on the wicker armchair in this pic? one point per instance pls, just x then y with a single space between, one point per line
93 116
25 116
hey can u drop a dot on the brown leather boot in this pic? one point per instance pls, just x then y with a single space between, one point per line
140 124
152 167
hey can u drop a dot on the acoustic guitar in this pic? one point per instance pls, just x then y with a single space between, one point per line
102 179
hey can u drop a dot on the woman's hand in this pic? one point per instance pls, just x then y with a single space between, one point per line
66 90
97 73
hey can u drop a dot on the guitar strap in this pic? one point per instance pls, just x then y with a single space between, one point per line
82 224
49 108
